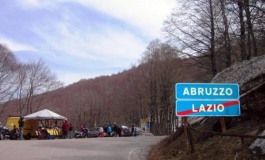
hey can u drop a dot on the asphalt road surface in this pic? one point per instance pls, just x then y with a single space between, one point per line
107 148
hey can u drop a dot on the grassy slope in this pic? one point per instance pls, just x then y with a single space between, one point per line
208 146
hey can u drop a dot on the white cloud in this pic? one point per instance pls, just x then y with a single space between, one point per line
70 77
15 46
116 44
86 49
37 3
147 15
109 45
59 37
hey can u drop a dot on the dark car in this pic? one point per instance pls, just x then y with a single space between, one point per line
95 132
125 131
4 132
1 131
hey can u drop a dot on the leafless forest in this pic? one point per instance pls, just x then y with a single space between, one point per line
203 37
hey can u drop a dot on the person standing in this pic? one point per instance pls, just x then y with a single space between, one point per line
20 127
65 128
101 132
109 130
132 130
81 128
70 131
115 129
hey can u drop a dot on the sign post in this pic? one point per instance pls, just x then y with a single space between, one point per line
185 125
205 100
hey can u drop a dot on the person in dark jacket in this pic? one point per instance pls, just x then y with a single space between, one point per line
70 131
115 129
20 127
132 130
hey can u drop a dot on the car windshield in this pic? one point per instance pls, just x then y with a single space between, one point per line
124 127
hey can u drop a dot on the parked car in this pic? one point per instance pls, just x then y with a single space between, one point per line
95 132
4 132
139 131
125 131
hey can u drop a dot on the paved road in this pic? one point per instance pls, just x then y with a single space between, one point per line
108 148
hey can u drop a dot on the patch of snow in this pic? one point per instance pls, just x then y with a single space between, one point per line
258 144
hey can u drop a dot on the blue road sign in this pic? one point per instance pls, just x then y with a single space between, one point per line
207 99
207 91
208 108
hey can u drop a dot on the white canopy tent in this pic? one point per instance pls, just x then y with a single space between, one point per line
45 115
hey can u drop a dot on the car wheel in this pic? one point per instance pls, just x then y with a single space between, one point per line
27 137
76 136
13 137
1 136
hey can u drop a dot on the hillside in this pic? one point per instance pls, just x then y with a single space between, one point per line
208 142
122 98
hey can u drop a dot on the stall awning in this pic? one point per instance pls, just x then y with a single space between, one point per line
45 115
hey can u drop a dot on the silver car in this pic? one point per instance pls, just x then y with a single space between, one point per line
95 132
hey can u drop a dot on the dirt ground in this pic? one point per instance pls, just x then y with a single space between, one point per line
209 146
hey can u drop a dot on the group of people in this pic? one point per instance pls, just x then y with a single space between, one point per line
17 131
111 130
118 130
67 129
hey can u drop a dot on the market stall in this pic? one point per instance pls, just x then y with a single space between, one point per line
48 126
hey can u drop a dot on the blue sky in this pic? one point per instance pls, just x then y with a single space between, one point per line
82 39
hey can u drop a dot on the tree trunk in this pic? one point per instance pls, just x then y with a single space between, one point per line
212 39
242 31
251 35
227 42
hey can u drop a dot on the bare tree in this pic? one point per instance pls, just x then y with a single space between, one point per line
193 27
242 30
8 66
247 17
218 30
162 60
227 41
35 80
251 36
